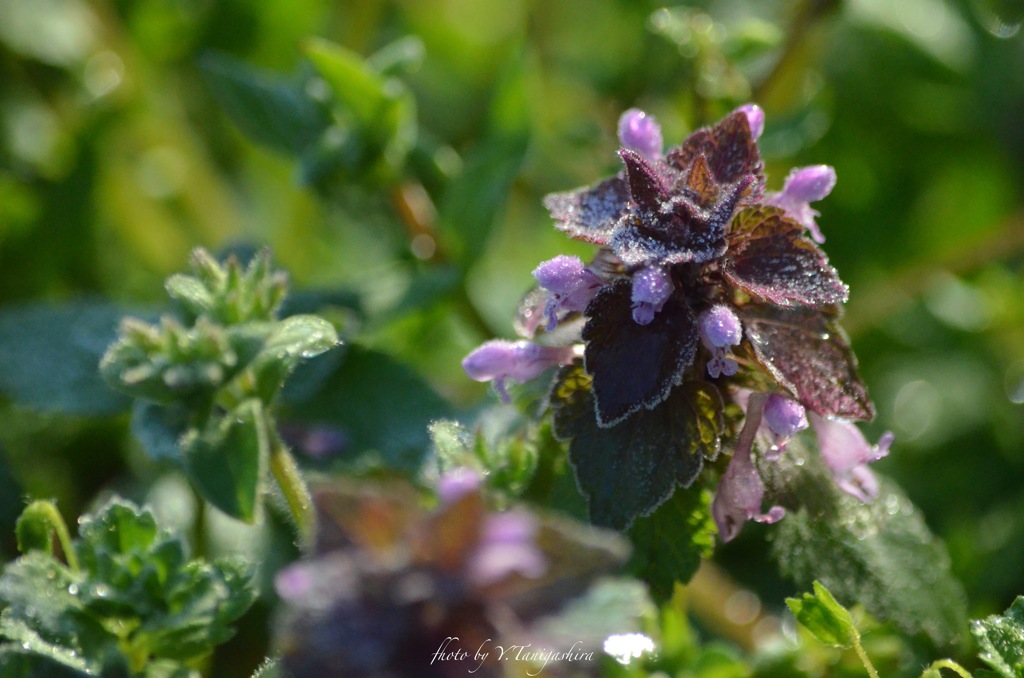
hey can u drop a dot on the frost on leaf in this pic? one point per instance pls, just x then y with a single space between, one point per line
807 354
590 213
770 258
635 366
628 470
729 148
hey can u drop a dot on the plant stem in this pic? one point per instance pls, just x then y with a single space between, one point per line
864 659
46 512
949 664
293 487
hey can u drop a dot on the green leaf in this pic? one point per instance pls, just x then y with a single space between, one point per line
270 109
159 430
227 460
375 115
298 337
381 404
1001 640
880 554
668 544
476 197
49 354
355 85
630 469
820 614
610 606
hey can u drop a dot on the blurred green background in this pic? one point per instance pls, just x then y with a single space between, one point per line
118 155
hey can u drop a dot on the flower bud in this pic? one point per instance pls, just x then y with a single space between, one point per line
571 286
720 329
784 416
640 132
652 286
755 117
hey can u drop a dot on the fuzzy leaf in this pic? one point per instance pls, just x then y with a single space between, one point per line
629 469
669 544
728 147
590 213
1001 640
808 355
823 616
227 460
880 555
770 258
635 366
270 109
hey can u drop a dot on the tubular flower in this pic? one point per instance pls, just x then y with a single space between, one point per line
720 330
701 286
571 286
640 132
847 453
499 361
741 491
804 186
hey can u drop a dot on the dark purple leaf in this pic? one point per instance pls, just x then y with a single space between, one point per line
590 213
807 354
770 258
646 187
729 148
628 470
635 366
680 232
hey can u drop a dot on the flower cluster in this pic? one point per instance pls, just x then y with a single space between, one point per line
389 583
702 277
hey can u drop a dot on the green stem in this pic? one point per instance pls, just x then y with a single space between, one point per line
293 487
864 659
949 664
46 512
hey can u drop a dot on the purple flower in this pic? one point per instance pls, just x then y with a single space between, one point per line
741 491
755 118
457 483
847 453
571 286
784 418
507 545
500 360
652 286
803 186
720 329
641 133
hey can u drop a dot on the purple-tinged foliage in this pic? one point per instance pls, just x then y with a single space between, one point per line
635 366
700 278
806 354
770 259
847 454
388 583
640 132
803 186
